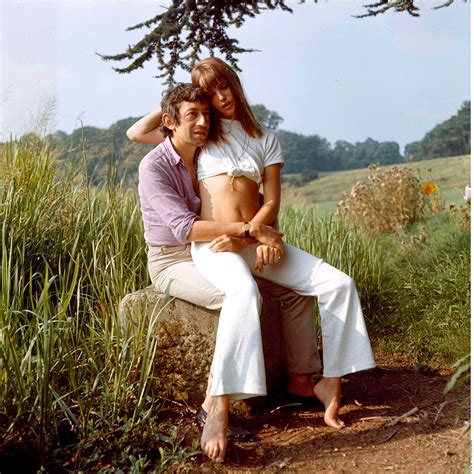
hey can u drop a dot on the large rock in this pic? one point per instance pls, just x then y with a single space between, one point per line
186 336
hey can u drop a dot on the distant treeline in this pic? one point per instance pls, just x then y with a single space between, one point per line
95 150
450 138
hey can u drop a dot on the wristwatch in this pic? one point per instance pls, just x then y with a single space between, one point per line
246 228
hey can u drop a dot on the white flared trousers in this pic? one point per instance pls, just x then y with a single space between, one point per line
238 366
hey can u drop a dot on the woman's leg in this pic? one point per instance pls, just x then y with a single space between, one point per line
346 346
238 367
214 434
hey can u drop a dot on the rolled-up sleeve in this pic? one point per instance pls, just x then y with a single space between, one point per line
273 152
161 199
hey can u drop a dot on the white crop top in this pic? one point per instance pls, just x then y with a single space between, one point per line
240 154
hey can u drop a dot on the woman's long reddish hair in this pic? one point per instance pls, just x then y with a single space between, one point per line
210 73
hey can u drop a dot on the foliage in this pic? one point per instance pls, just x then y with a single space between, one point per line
342 246
76 389
449 138
389 201
304 153
462 374
462 212
187 26
107 154
450 174
184 28
101 154
299 180
364 154
268 118
382 6
429 290
72 383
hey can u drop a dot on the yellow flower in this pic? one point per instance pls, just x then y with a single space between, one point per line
429 187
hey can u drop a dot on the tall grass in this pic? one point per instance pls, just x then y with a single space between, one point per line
68 255
75 386
343 247
429 289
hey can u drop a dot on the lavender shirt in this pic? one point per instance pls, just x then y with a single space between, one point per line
168 202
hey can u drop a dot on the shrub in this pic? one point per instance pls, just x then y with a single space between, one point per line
389 201
429 290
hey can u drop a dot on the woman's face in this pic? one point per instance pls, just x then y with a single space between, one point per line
222 100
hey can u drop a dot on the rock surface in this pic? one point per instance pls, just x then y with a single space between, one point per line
186 338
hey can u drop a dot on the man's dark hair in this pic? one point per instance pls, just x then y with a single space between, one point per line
184 92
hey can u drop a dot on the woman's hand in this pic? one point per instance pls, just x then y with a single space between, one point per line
267 235
228 243
266 255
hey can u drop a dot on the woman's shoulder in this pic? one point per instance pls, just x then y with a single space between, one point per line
269 137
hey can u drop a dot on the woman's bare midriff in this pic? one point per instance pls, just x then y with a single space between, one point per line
228 201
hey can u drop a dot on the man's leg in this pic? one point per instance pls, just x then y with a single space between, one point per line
298 319
301 348
172 270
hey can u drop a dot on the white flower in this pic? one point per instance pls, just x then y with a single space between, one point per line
467 193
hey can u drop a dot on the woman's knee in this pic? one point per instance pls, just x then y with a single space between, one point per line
244 286
346 284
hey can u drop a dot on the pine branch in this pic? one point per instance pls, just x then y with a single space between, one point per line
178 35
382 6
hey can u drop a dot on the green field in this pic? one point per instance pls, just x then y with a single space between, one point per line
450 174
78 391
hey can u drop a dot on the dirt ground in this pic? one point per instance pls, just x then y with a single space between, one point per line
397 420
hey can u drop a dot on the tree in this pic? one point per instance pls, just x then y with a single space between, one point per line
303 153
449 138
268 118
179 34
362 154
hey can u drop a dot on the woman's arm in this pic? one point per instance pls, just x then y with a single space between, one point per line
268 212
146 130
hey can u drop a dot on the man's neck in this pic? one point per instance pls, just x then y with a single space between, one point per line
186 152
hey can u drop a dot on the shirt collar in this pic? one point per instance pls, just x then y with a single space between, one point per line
173 156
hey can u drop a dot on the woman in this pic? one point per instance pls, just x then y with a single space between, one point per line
230 173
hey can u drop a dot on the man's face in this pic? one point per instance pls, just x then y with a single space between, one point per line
193 126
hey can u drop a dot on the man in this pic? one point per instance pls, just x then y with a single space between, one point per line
170 210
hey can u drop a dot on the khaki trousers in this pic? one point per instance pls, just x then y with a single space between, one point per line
171 269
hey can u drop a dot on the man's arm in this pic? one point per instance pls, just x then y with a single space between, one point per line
203 231
184 224
147 130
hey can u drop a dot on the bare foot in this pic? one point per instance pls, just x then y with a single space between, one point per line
328 390
214 433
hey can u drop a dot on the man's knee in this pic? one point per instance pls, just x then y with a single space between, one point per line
204 295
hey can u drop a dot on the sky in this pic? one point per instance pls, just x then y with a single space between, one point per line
391 77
